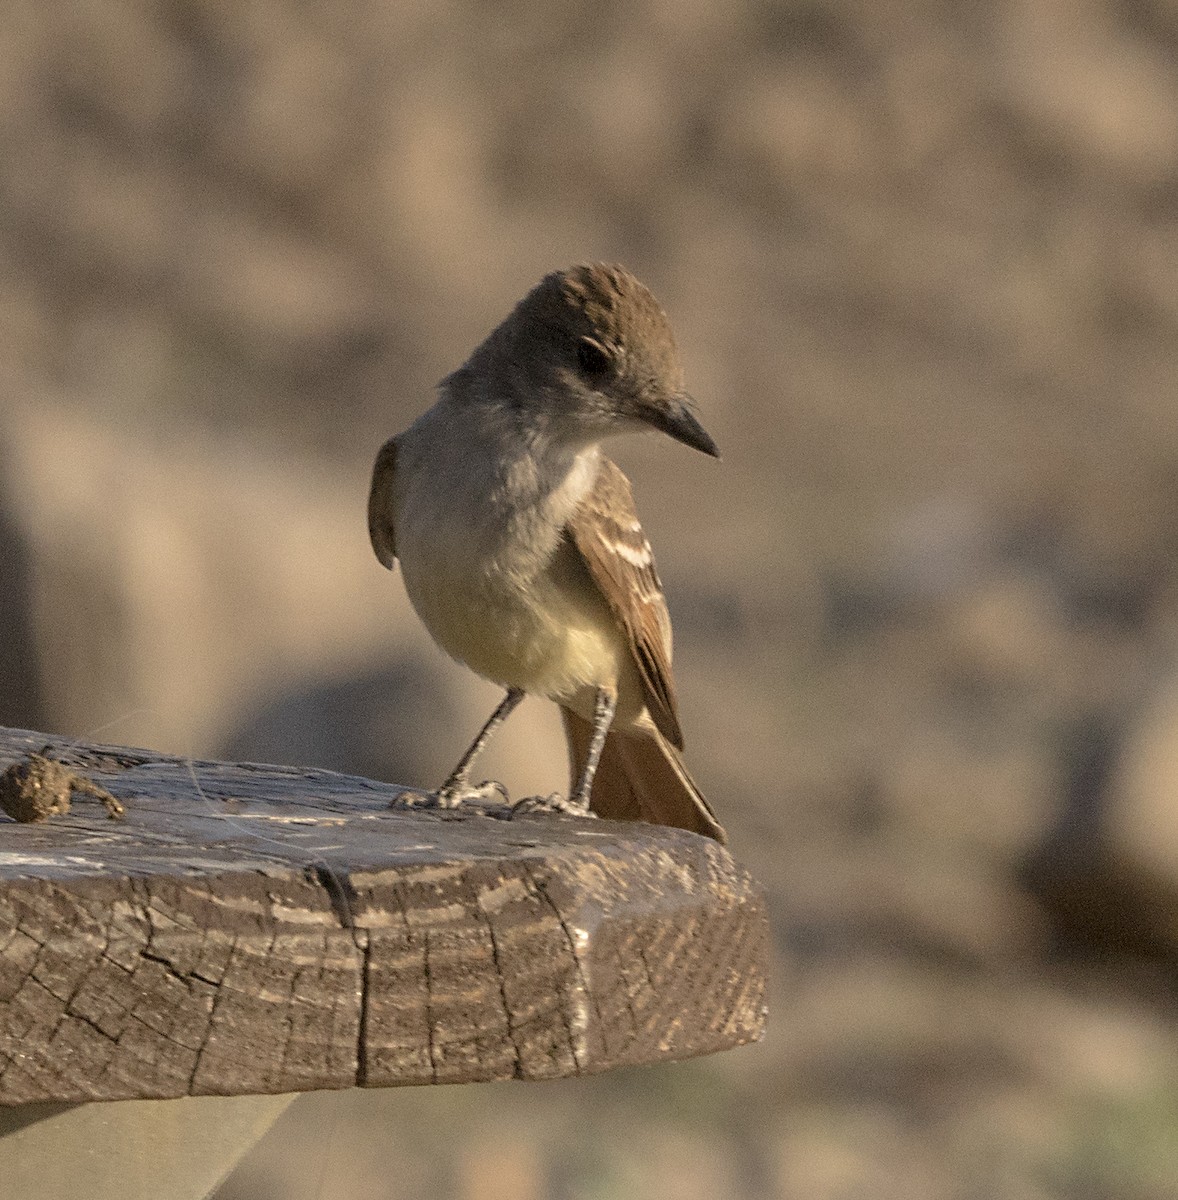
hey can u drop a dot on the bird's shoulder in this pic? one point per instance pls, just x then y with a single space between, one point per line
606 518
380 503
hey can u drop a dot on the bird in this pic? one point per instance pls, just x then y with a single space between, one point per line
521 549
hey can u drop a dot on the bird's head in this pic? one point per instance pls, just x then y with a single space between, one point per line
589 353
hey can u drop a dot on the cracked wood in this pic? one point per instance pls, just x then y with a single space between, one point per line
250 929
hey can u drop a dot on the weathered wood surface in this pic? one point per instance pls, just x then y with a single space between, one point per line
249 929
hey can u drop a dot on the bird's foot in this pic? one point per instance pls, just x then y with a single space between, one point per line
454 795
571 806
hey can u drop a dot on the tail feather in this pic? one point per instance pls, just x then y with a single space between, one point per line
640 777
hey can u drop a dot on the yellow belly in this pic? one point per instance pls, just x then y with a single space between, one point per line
552 635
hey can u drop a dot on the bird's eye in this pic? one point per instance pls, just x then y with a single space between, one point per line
593 360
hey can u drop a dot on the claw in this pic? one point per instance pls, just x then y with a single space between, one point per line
489 791
554 803
460 796
411 800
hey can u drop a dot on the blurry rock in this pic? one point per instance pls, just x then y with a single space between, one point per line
921 900
801 121
492 1170
1143 813
1008 633
1107 873
1108 97
20 681
176 575
383 724
868 1152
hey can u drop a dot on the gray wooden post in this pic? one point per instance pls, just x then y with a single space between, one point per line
252 932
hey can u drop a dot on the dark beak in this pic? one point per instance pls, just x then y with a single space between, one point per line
677 420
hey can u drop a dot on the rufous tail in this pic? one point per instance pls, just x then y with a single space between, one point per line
640 778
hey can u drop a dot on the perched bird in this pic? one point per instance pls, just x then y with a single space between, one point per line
520 547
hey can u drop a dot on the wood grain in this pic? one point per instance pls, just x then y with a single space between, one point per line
255 929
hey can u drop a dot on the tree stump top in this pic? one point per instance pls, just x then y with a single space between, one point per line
253 929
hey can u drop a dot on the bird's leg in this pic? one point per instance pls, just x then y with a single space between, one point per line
604 706
457 789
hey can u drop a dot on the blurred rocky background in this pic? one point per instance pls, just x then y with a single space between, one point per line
923 264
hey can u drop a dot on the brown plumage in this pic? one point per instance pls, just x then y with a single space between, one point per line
606 530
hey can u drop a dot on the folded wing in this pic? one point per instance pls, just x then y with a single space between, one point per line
606 531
